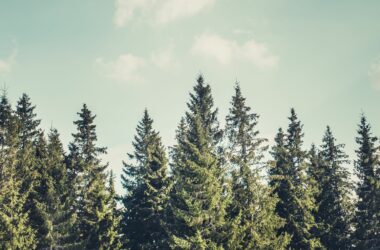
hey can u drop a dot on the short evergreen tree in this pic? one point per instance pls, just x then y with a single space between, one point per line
197 201
147 190
252 210
289 181
367 218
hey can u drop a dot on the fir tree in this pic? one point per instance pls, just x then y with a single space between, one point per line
54 194
15 229
333 200
28 122
29 162
114 216
197 201
93 208
367 218
252 210
147 188
289 180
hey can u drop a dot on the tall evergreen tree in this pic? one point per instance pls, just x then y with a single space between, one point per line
93 204
29 162
52 195
252 206
197 201
334 197
15 229
290 184
147 190
367 218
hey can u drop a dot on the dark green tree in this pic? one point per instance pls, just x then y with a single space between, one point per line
94 207
252 208
290 184
197 202
333 199
147 190
367 218
52 195
28 122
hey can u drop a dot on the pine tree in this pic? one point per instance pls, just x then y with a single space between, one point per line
252 210
28 122
289 181
41 189
28 162
53 195
367 218
93 204
315 171
333 200
15 229
197 200
114 217
147 188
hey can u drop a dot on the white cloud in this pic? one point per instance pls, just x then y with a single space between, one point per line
171 10
226 51
163 59
125 68
126 10
157 11
7 63
374 74
129 67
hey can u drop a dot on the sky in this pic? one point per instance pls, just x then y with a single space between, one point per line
122 56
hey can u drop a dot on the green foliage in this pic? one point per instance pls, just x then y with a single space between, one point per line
15 229
367 218
215 191
96 224
290 184
251 214
197 203
147 190
333 199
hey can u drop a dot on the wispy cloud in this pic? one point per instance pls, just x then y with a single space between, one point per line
163 59
226 51
158 12
129 67
7 63
374 74
125 68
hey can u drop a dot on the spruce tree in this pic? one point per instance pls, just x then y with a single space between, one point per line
289 181
367 217
28 163
93 204
53 195
197 201
28 122
114 217
15 229
252 210
147 189
333 200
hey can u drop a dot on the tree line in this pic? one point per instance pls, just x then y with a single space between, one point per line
214 190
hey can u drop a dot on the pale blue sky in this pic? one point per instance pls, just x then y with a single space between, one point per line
321 57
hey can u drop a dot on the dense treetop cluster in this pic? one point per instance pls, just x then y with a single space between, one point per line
214 190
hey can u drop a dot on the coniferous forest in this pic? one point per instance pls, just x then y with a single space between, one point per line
216 188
